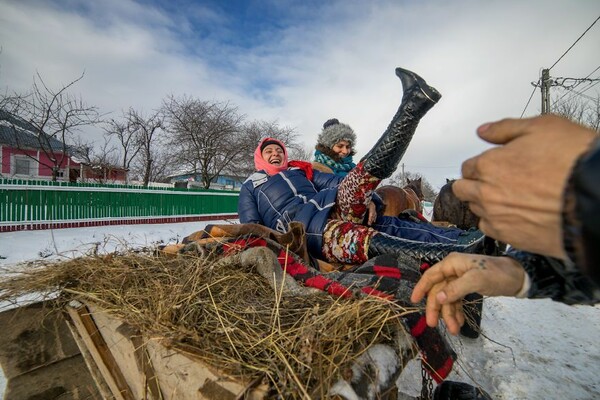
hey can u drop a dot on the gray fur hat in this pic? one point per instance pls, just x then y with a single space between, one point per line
334 131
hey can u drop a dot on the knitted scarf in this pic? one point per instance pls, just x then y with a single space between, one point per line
340 168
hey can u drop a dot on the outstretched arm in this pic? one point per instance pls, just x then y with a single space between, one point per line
517 188
446 283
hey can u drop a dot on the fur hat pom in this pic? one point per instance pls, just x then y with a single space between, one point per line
334 131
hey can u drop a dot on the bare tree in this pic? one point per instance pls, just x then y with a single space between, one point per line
586 112
124 132
302 153
206 138
53 116
146 132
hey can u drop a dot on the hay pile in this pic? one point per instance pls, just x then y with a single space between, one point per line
228 314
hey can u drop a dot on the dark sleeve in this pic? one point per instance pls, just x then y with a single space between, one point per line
556 279
378 201
248 208
322 180
581 214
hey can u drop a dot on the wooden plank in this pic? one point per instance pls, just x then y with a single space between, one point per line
117 337
93 368
145 364
39 356
33 336
186 378
99 350
66 379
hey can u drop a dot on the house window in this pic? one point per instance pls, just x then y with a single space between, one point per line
22 166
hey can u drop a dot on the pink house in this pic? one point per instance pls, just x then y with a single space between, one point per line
23 154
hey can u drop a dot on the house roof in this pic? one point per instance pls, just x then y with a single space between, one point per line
11 126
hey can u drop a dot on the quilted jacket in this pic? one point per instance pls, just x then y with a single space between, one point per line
276 200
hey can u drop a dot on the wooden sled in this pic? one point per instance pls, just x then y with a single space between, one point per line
84 353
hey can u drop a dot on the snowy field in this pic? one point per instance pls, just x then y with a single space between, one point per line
529 349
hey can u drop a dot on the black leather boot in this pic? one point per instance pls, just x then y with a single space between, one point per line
451 390
382 243
418 98
473 308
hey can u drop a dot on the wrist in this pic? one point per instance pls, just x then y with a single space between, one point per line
525 286
517 281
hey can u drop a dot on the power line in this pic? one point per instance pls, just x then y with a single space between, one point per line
580 82
574 43
571 90
582 95
528 101
553 65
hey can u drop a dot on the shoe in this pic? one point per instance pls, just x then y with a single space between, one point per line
451 390
468 237
417 99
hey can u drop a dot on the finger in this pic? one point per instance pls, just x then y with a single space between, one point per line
466 189
458 288
432 309
433 276
477 209
469 168
449 316
487 228
504 131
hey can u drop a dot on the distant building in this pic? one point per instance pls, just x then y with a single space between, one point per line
102 173
24 155
221 182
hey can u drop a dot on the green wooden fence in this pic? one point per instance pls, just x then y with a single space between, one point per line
37 202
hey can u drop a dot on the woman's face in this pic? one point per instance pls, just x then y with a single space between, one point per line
342 148
273 154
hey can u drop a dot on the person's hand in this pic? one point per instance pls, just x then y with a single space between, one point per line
517 189
372 213
458 274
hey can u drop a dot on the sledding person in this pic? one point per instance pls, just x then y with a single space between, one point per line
332 208
335 148
551 166
333 154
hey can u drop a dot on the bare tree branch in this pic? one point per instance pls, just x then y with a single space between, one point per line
206 138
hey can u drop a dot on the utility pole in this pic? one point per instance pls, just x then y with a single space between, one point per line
403 176
545 88
545 82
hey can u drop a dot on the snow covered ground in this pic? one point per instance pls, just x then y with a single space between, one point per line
529 349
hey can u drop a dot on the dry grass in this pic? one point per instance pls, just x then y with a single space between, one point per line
228 315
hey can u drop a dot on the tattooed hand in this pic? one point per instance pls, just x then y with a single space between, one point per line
447 282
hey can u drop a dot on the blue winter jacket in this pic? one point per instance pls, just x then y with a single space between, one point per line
275 201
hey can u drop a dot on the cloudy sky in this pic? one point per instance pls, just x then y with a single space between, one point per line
302 62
